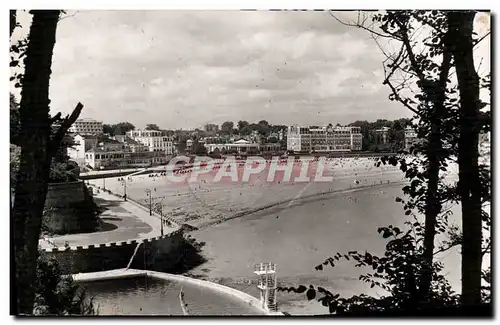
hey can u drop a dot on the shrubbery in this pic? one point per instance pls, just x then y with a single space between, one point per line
59 295
61 172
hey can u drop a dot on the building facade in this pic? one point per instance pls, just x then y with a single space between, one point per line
410 137
87 127
99 158
130 143
383 132
324 139
82 144
242 147
155 140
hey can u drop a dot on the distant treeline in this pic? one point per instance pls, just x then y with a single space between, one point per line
372 141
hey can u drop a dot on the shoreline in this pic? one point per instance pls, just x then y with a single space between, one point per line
302 198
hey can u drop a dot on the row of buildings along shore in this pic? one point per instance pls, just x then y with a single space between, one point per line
144 148
337 138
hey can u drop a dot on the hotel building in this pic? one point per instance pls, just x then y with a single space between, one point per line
324 138
87 126
155 140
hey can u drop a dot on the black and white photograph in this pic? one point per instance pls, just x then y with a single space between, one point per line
250 162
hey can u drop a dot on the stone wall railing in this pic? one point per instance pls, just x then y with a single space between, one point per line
81 259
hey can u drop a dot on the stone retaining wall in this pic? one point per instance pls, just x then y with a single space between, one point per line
68 208
64 194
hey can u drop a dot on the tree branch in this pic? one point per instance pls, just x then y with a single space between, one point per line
387 81
67 16
56 117
391 36
409 50
444 249
482 38
66 124
424 21
486 249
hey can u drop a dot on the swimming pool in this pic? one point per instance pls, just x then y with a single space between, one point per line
146 295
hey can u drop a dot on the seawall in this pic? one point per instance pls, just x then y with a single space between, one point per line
162 252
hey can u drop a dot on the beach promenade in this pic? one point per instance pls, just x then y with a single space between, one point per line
122 221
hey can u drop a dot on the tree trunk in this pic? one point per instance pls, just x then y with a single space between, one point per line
433 206
13 21
461 23
31 186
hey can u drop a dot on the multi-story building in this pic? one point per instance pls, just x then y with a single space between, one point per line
155 140
101 158
242 147
116 152
410 137
130 143
87 126
383 132
83 143
324 138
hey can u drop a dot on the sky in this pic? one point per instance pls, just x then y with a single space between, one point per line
183 69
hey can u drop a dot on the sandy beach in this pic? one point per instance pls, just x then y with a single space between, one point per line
205 202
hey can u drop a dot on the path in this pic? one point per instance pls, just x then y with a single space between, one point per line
129 220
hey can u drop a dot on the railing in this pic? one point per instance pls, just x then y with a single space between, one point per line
164 217
265 267
270 283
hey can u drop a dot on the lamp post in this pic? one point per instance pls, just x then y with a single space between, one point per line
150 195
124 184
158 207
161 217
103 180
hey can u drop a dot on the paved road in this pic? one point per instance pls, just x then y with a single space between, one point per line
109 171
125 221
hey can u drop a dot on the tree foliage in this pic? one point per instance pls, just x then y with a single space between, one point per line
153 127
371 140
227 127
396 272
408 271
118 129
59 295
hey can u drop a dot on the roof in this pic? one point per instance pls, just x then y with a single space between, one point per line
87 120
108 140
242 141
85 136
131 141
